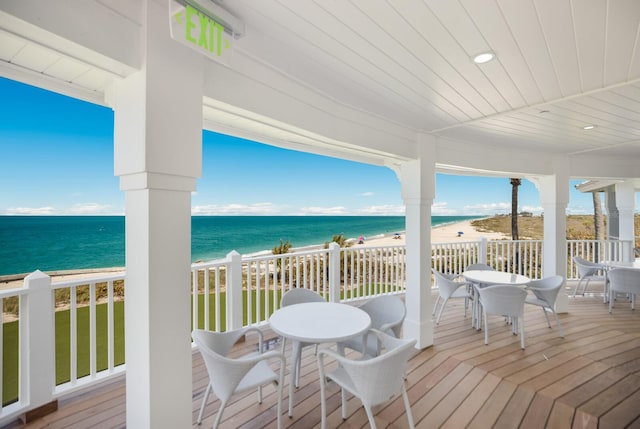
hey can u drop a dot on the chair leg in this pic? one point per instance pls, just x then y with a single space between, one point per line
486 328
546 316
559 324
586 285
440 312
521 321
435 305
575 291
343 397
204 403
219 414
407 406
372 421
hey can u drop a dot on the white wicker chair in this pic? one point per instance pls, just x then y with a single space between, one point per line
588 271
448 288
387 313
625 280
545 291
479 267
503 300
228 376
375 380
291 297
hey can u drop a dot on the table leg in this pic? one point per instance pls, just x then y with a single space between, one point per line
296 351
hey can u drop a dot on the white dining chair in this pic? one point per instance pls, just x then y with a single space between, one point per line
228 376
545 292
624 280
449 288
291 297
374 381
387 312
479 267
589 271
503 300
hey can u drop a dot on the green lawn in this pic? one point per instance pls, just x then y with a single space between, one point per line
63 336
10 339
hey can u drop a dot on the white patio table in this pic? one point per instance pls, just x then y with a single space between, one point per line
317 322
489 277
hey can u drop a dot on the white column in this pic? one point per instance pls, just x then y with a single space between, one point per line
625 203
554 198
418 191
158 129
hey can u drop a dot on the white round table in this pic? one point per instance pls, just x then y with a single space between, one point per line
316 322
489 277
481 278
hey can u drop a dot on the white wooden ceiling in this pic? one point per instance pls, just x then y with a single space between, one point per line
560 65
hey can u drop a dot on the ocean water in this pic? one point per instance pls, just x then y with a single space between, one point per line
58 243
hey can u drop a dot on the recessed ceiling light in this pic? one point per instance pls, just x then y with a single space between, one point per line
588 127
483 57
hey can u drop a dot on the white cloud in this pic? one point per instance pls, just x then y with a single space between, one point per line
442 209
487 209
579 210
89 209
532 209
367 194
256 209
383 210
321 211
31 211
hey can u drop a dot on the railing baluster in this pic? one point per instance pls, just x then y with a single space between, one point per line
73 341
92 330
111 341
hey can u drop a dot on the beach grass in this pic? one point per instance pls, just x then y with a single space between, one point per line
579 227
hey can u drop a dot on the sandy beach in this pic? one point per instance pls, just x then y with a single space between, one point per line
439 234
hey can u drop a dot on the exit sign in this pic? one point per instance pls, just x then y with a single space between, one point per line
200 31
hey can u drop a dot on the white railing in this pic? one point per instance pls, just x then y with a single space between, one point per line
596 251
454 257
40 308
239 291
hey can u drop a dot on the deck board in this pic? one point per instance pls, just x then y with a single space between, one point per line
589 379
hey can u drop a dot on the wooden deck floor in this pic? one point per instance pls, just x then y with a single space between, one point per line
589 379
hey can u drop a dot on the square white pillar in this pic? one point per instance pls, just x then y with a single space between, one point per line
158 156
418 190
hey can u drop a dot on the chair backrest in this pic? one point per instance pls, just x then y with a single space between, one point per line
379 378
446 286
547 289
224 373
503 300
586 268
479 267
625 280
387 313
300 295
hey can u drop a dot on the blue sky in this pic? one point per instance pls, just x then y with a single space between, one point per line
57 159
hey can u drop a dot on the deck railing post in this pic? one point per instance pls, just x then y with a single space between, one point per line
37 342
234 290
334 272
482 250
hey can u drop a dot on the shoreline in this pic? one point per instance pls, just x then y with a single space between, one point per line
439 234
